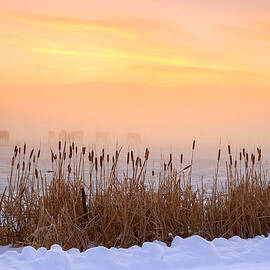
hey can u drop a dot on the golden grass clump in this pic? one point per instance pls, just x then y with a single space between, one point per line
82 201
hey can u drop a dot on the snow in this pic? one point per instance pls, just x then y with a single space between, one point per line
190 253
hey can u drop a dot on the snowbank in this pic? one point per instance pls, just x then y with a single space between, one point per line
191 253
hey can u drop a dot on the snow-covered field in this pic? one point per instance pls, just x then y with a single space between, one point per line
191 253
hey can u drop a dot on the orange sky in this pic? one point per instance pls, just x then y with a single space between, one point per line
198 67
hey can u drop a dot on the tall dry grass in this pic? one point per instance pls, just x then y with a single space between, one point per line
78 209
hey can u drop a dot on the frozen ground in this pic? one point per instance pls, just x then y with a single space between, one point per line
191 253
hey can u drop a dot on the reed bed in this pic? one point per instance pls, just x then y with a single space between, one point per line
85 202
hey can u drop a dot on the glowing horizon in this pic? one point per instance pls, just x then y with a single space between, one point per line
216 51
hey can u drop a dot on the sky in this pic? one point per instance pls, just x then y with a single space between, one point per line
170 70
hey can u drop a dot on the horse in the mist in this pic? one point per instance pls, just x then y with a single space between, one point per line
76 136
133 138
4 137
102 137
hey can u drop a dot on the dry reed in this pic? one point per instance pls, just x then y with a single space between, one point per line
75 209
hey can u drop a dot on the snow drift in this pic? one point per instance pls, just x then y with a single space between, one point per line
190 253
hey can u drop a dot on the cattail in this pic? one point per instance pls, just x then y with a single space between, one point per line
146 154
229 149
253 159
31 154
18 166
247 157
83 150
34 159
181 159
127 157
59 146
244 152
24 149
259 154
219 154
76 150
108 158
132 156
64 155
231 160
89 156
69 169
92 154
113 159
140 162
84 204
29 166
101 161
193 145
38 155
36 173
23 166
73 145
137 161
96 164
70 152
240 156
153 173
235 164
187 167
164 166
116 154
19 150
15 150
103 153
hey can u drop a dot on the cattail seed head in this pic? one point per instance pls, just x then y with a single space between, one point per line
193 145
31 154
101 161
146 154
69 169
229 149
96 164
137 162
36 173
127 157
219 154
